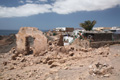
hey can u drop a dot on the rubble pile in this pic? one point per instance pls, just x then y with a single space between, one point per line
54 60
82 43
55 55
103 52
103 70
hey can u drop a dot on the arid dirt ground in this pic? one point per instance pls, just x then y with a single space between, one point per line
79 64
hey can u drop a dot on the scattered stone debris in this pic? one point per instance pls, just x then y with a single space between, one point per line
101 69
103 52
64 59
71 54
54 65
5 63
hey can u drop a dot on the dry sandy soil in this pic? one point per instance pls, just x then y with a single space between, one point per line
77 64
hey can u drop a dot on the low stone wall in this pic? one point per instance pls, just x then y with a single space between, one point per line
103 43
100 36
116 37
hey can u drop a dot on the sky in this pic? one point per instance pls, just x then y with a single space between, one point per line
49 14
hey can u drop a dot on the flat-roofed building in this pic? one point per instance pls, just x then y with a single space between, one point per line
101 28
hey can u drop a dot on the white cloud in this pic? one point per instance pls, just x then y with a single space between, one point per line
25 10
21 1
59 6
42 0
70 6
38 1
29 1
35 1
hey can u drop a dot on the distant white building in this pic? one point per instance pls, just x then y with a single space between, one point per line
101 28
60 29
67 40
115 28
76 32
66 29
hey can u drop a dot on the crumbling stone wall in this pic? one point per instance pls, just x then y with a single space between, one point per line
60 42
23 46
100 36
116 37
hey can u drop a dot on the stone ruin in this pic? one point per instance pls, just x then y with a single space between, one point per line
24 45
60 42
